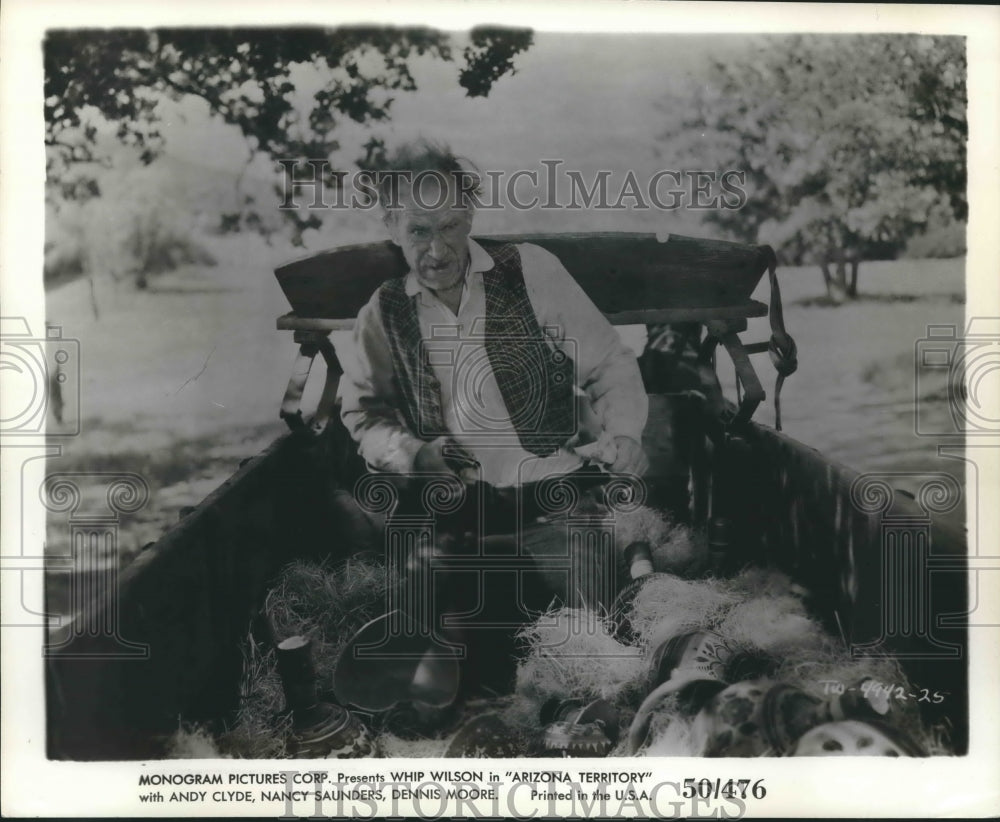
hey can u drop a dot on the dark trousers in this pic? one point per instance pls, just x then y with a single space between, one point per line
495 562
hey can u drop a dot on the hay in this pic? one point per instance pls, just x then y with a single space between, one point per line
644 524
192 742
685 552
260 730
524 708
325 603
762 581
667 606
676 548
776 624
818 670
571 654
670 734
393 746
762 613
567 653
814 669
420 746
935 740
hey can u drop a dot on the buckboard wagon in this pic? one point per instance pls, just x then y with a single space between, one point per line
886 571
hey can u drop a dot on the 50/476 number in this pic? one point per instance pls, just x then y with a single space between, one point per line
730 789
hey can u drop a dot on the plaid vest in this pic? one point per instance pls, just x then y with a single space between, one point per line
535 379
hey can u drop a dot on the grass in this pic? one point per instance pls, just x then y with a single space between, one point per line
160 467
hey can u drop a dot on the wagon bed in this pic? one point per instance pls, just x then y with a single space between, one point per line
885 570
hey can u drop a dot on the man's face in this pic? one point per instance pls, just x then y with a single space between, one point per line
434 241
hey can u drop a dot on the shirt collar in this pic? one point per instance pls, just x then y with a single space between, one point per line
479 261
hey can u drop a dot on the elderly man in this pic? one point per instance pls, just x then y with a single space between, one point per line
491 364
495 359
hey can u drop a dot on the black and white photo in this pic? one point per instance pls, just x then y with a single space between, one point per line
443 390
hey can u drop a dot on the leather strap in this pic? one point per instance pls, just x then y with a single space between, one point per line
310 344
753 391
781 348
328 399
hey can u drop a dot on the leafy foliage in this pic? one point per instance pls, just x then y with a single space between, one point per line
848 142
489 58
144 230
250 78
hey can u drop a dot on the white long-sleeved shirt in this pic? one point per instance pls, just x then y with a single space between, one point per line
611 396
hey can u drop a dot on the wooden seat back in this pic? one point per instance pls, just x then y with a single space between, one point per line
633 278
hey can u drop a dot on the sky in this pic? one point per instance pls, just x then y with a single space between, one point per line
589 100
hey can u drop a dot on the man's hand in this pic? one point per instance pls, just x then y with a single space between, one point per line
445 456
630 458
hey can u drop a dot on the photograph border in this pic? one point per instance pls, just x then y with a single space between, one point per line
937 786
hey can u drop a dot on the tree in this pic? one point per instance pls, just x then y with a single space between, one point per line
848 142
245 75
